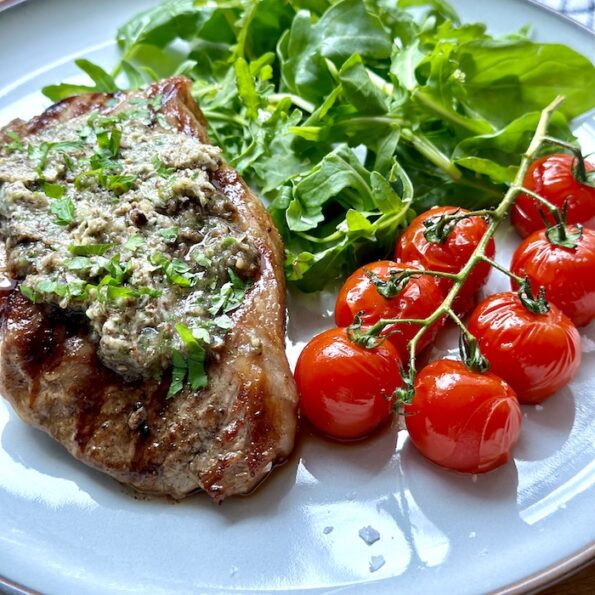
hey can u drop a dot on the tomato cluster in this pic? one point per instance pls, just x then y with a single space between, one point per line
459 414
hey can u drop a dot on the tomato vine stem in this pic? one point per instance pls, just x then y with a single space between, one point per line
496 217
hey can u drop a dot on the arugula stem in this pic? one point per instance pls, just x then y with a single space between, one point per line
333 237
300 102
429 150
215 115
470 125
561 143
380 83
479 254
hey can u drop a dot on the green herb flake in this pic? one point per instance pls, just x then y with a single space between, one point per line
160 168
56 191
64 211
201 259
230 295
16 144
170 233
134 243
28 292
89 249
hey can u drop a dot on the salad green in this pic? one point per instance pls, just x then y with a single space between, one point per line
349 116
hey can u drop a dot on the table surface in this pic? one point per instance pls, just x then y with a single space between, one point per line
581 583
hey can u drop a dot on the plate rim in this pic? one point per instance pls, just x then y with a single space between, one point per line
548 576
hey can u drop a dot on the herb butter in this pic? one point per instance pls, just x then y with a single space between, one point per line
113 216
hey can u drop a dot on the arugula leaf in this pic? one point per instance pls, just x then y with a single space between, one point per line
523 76
160 25
346 28
104 82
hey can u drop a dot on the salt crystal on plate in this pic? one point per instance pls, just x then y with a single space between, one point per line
376 562
369 534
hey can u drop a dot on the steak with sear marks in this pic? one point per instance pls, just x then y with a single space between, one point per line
57 366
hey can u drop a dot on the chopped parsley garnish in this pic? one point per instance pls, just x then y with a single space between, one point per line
114 292
169 233
118 184
28 292
64 211
103 164
76 289
190 365
89 249
177 271
230 295
40 152
108 141
160 168
16 143
56 191
134 243
201 259
78 263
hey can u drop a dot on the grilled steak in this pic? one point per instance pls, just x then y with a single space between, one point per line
146 329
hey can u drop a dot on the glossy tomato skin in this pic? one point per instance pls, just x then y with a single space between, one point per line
418 299
537 354
346 390
567 274
461 419
552 178
449 256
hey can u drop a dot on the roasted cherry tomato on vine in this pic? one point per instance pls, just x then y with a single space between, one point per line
449 256
461 419
346 390
376 292
568 274
537 354
553 177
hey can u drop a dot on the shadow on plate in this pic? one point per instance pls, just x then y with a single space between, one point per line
34 449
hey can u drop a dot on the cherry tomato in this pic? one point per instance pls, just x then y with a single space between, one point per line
449 256
346 390
552 177
568 274
537 354
418 299
461 419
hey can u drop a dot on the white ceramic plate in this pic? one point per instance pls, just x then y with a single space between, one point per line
65 528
